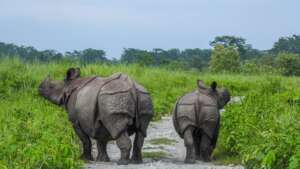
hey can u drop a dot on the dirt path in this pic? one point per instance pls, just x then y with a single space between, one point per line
165 148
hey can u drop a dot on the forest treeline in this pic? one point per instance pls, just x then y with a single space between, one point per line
227 54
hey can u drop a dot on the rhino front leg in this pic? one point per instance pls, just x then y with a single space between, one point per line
206 147
190 146
86 142
124 144
137 148
102 153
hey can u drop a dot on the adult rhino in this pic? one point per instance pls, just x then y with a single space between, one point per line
105 109
196 119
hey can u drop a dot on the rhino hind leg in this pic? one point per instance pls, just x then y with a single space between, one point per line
197 141
137 148
86 142
124 144
190 146
206 147
102 153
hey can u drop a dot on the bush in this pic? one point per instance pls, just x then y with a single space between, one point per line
289 64
264 129
251 67
224 59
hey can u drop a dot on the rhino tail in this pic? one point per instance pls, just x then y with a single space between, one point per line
175 121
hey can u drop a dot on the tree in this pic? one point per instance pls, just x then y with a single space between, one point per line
174 54
88 55
141 57
224 59
288 63
160 56
196 58
266 59
196 62
287 44
92 55
245 50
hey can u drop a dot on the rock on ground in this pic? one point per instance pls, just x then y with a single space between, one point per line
174 152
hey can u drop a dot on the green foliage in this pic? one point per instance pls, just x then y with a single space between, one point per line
165 141
264 128
155 155
245 50
288 63
263 131
238 43
33 133
267 59
172 58
224 59
30 54
87 55
251 67
290 44
142 57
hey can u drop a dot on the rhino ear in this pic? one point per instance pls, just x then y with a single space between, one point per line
201 84
213 86
72 73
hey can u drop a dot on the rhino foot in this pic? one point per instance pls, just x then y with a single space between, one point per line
103 159
189 161
86 157
136 161
199 158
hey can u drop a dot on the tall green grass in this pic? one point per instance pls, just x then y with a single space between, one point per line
263 130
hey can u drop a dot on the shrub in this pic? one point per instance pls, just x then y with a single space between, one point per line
288 63
224 59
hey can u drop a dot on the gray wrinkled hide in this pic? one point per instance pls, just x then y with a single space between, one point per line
198 110
116 102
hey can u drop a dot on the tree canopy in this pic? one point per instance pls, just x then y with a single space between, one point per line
228 53
289 44
224 59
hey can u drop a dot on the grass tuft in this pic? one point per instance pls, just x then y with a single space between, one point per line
155 155
162 141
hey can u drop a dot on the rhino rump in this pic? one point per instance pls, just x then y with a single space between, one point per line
183 117
117 103
189 119
145 112
117 112
188 112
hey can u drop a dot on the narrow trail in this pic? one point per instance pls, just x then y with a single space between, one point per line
161 139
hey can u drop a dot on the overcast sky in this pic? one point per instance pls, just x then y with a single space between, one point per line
112 25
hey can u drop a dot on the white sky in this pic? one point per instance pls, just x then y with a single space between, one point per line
112 25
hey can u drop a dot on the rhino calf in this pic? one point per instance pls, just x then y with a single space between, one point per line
105 109
196 119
